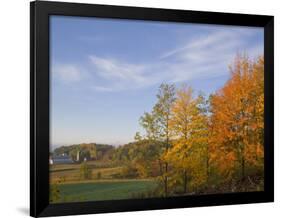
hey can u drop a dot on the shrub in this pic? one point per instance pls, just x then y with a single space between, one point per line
85 171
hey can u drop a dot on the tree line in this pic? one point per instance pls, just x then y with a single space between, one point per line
89 151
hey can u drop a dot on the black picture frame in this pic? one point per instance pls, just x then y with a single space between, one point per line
39 107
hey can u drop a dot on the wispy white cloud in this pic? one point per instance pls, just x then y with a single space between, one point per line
115 69
204 57
199 42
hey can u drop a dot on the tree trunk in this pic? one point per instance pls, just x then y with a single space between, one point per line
207 165
184 181
166 179
166 163
243 167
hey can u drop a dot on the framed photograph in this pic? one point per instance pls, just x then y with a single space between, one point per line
144 108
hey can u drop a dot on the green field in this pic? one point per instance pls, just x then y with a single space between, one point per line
65 179
104 190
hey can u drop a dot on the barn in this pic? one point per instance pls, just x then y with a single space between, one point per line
61 159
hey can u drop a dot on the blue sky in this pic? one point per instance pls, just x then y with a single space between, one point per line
105 73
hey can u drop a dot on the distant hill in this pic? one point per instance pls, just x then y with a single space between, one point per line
143 150
90 151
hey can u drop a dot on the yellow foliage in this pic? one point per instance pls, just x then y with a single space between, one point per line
190 136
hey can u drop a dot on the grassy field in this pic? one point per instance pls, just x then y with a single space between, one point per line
103 190
71 172
108 182
66 178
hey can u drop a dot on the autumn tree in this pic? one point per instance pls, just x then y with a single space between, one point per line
157 125
149 123
189 128
237 118
163 114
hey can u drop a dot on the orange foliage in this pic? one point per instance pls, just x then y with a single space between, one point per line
237 118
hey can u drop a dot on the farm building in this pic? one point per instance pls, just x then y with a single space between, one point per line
62 159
